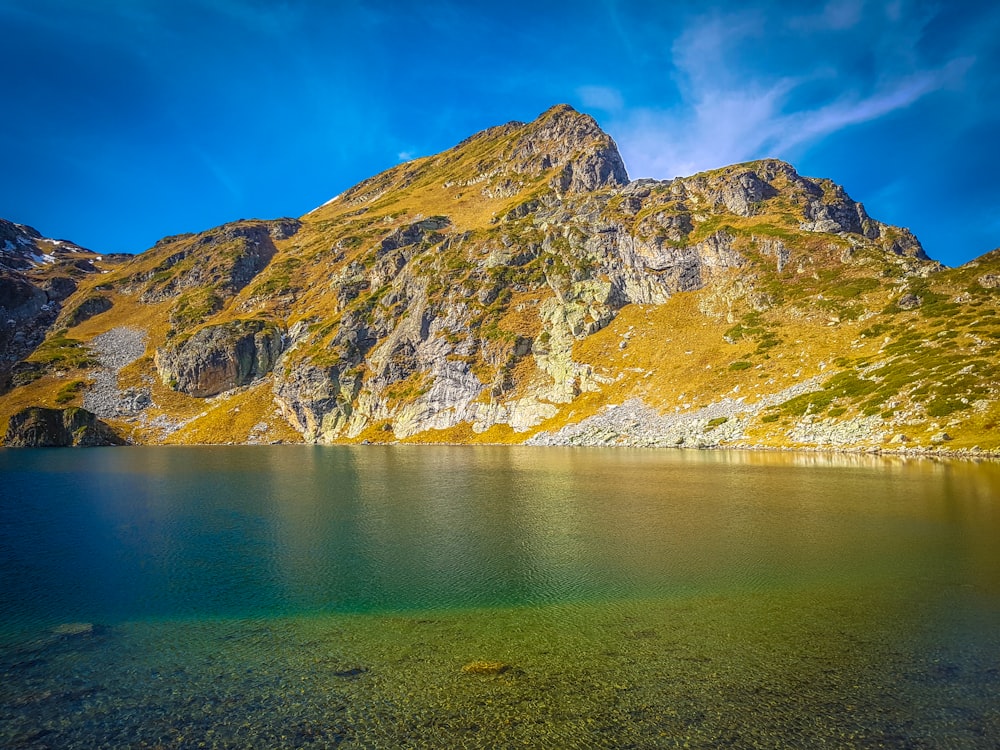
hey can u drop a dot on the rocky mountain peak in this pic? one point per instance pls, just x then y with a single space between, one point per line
9 230
572 142
562 150
758 187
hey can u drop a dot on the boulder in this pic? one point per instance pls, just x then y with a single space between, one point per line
989 281
486 667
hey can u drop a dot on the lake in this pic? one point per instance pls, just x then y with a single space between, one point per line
300 596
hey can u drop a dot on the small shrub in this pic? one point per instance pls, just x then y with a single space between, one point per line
69 391
875 330
807 403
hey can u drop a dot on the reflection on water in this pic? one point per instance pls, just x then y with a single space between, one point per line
315 596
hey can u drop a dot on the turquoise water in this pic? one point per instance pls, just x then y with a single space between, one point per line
294 596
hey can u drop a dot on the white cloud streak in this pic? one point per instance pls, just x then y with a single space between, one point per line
732 112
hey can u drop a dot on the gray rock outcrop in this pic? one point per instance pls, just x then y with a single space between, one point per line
226 258
220 357
37 427
562 138
91 306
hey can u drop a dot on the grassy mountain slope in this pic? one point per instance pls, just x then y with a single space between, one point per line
519 288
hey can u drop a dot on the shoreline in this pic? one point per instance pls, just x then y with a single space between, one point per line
971 454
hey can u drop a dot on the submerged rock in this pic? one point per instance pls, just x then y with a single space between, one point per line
350 674
486 667
70 629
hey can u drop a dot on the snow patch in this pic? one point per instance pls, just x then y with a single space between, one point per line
328 202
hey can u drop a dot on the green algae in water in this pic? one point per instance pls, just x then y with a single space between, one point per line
781 669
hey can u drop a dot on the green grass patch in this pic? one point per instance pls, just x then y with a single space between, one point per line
194 307
943 405
873 331
69 391
61 351
807 403
853 288
769 341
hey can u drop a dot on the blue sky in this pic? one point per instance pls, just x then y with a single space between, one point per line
127 120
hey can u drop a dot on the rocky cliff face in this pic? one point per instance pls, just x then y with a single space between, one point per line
36 275
58 428
518 287
220 357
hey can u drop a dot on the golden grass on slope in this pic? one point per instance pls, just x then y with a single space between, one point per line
675 358
465 207
248 415
463 433
128 312
431 194
980 430
468 183
521 317
226 419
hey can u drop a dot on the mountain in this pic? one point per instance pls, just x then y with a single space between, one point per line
36 275
520 288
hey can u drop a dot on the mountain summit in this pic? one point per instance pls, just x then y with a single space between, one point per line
584 156
519 288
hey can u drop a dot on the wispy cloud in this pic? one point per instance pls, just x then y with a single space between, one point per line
741 100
